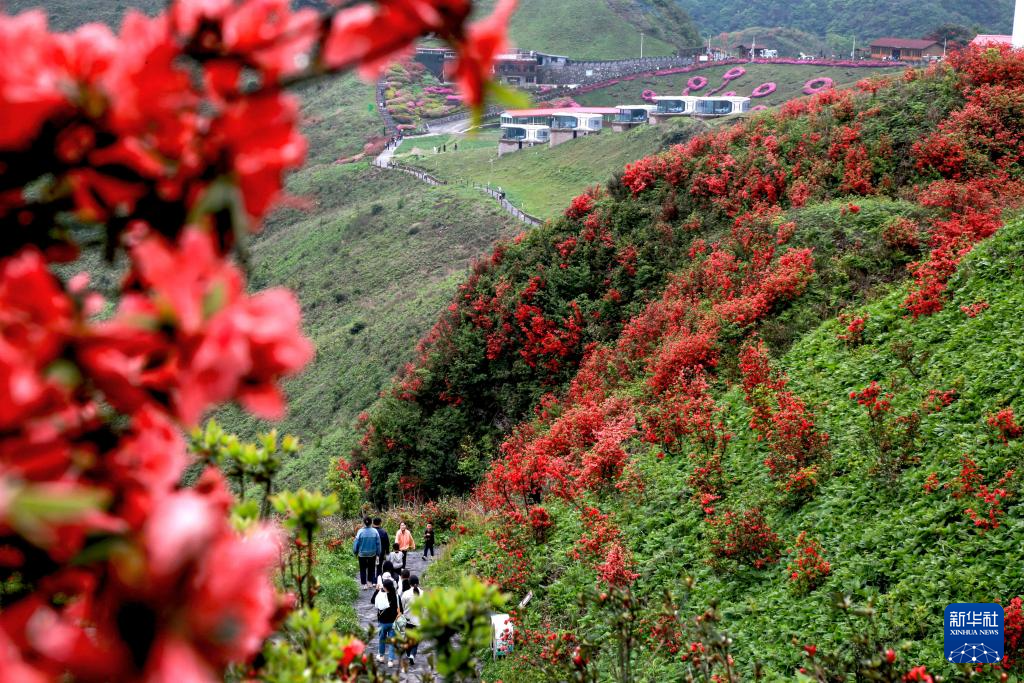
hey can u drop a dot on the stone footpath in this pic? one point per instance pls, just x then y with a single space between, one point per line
367 614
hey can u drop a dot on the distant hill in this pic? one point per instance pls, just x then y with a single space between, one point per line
866 19
67 14
601 29
596 29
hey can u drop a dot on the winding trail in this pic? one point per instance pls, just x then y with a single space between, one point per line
385 160
367 615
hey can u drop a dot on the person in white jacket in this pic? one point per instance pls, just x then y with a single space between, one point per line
409 598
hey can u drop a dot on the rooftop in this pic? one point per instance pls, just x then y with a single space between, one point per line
992 39
904 43
562 110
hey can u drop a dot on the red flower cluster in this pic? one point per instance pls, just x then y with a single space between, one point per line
973 310
1013 634
1004 422
743 537
784 423
809 567
853 334
171 140
988 505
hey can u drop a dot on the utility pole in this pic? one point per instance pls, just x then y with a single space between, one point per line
853 52
641 44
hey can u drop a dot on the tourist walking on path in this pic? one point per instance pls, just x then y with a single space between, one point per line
409 597
405 542
428 541
387 613
385 543
395 556
367 547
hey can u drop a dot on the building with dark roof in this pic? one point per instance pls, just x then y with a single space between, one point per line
906 49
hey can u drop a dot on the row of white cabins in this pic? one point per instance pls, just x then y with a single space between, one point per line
528 127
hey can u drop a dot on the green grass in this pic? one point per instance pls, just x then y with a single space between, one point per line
590 29
338 118
424 146
372 263
789 78
543 180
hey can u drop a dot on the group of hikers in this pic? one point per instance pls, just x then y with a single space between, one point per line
395 588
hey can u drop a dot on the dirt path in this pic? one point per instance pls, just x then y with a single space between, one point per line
367 615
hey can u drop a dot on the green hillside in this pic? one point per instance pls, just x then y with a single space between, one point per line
600 29
542 180
67 14
372 262
867 19
908 551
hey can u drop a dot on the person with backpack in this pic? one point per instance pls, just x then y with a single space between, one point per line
428 541
385 543
367 547
387 614
395 556
409 597
405 542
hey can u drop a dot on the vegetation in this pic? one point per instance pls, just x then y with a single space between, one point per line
867 20
788 463
605 29
374 257
542 180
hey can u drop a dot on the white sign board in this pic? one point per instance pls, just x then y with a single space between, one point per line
502 634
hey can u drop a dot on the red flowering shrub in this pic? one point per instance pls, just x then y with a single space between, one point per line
853 333
540 521
987 507
1013 635
894 437
809 567
973 310
781 419
617 568
171 140
744 538
1004 422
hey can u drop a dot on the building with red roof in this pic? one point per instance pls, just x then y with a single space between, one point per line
992 39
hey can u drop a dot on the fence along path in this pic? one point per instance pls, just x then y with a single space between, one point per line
385 160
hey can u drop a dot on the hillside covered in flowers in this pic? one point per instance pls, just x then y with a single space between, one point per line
778 359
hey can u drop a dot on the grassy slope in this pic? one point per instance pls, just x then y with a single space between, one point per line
542 180
337 117
909 552
789 78
372 265
581 29
67 14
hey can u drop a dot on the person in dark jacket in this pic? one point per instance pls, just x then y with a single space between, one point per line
385 543
367 548
428 541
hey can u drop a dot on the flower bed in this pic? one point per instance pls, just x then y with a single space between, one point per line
759 107
731 93
817 85
696 83
734 73
648 95
764 90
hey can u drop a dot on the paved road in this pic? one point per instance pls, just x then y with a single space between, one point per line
368 616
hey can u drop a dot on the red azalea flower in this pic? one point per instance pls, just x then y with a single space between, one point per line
485 40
